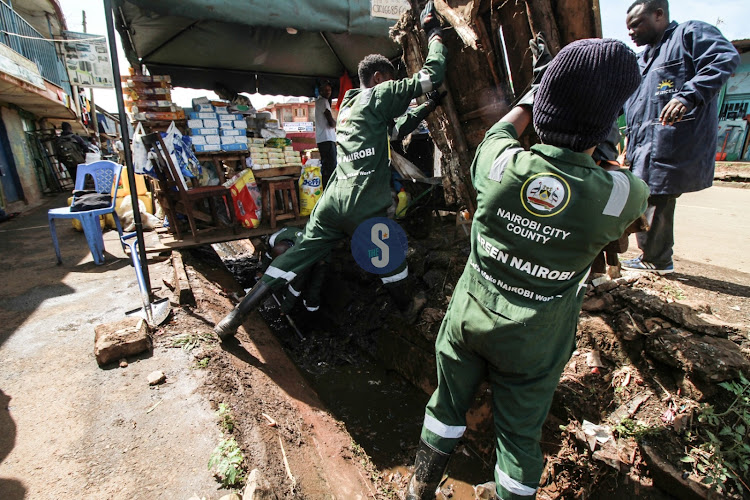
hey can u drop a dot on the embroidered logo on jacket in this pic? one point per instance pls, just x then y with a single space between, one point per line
545 195
665 87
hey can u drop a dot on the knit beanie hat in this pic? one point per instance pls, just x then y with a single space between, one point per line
582 92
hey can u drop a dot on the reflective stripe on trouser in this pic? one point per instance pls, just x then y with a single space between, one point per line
333 218
523 364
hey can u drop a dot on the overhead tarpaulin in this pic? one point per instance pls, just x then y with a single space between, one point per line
284 47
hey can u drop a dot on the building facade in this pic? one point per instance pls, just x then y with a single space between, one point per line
35 98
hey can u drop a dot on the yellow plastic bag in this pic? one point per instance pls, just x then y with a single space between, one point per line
310 189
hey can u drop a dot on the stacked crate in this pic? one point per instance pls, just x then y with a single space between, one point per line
148 98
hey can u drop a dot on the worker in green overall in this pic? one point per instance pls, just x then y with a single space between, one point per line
307 284
359 189
542 216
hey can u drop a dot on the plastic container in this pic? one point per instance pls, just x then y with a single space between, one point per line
403 202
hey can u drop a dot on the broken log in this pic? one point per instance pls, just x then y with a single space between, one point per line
489 67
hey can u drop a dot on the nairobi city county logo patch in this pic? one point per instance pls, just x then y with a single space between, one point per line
545 195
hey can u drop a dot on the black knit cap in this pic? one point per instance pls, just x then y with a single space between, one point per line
583 91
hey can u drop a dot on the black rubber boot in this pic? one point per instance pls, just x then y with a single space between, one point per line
428 471
408 303
227 327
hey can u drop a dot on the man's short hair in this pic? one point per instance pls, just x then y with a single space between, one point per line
372 64
66 127
651 6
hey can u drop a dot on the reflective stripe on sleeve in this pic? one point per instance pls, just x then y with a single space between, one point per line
619 195
498 166
424 81
275 272
293 291
512 485
444 431
396 277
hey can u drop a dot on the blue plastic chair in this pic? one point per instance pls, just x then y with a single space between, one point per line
106 175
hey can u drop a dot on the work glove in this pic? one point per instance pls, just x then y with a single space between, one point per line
433 99
541 58
430 21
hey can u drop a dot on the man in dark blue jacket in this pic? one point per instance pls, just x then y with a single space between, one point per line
672 118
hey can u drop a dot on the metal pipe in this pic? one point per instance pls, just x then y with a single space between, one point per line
109 12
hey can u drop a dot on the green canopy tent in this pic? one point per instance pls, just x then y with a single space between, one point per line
281 47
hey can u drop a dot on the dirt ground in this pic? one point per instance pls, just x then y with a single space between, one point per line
69 429
319 417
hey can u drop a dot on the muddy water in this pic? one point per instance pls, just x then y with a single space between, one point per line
381 410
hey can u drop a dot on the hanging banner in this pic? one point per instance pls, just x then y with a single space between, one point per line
14 64
87 60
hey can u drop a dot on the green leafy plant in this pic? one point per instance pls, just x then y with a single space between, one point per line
722 459
189 341
630 428
675 292
203 363
227 461
226 421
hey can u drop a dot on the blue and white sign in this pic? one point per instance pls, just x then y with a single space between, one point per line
379 245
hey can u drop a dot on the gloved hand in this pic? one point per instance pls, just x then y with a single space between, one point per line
430 21
433 99
541 58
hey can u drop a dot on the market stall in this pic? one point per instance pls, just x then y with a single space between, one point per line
245 47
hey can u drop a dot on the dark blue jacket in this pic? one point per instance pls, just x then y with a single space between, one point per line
692 63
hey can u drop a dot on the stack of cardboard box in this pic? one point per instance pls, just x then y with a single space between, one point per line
213 128
149 98
265 156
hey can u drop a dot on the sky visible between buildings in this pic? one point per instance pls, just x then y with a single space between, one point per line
730 16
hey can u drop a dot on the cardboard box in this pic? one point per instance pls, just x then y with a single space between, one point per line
203 108
193 115
233 132
207 147
240 124
198 139
234 147
195 123
204 131
226 125
213 139
211 123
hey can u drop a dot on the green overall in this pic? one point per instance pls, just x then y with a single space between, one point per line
360 186
308 283
542 217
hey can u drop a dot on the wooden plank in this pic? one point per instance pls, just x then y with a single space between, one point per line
166 242
542 18
263 173
182 291
511 16
574 20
